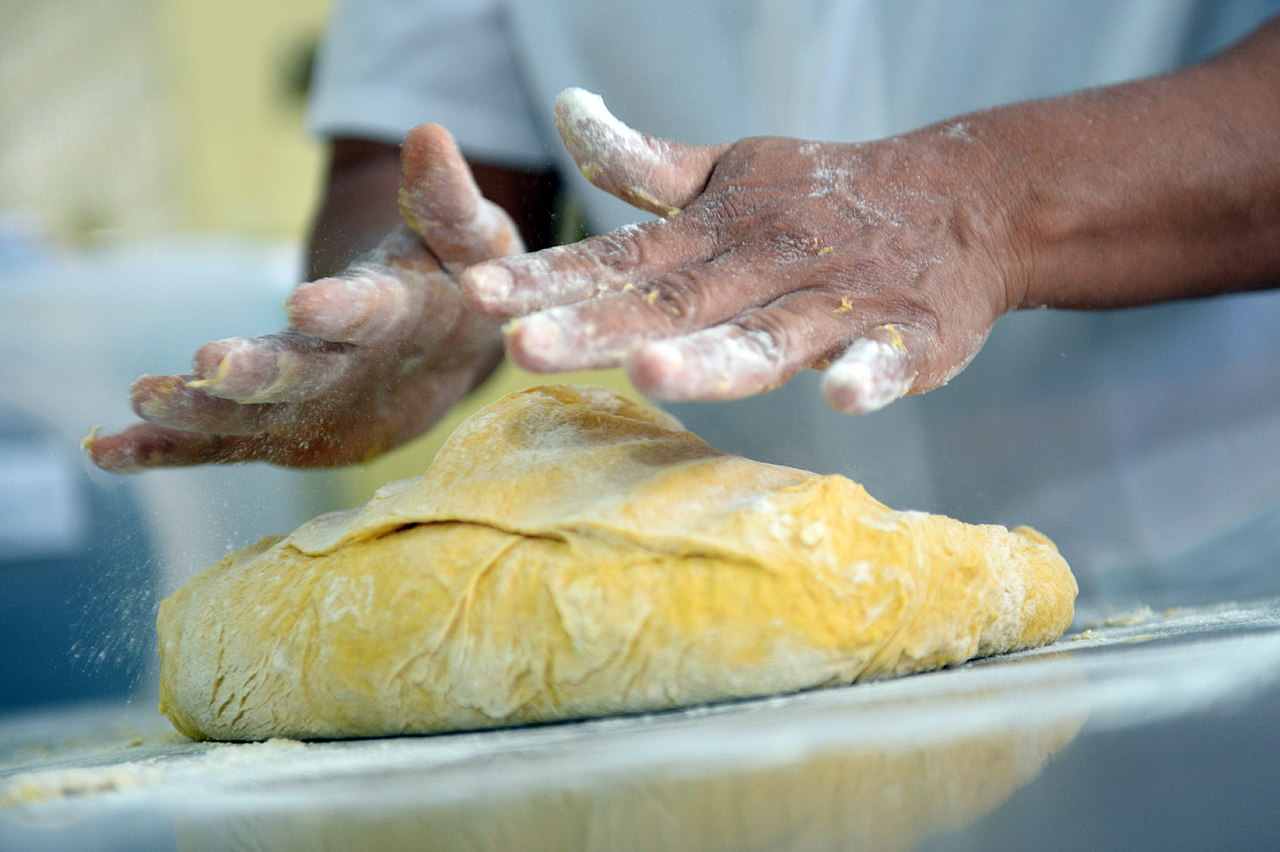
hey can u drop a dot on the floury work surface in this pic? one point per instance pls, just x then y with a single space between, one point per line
1148 731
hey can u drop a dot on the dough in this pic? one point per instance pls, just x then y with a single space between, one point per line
570 554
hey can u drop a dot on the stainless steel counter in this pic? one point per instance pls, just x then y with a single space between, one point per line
1148 731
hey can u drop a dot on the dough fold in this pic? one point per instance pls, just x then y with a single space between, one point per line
571 554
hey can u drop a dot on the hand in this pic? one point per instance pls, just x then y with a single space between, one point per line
874 261
371 358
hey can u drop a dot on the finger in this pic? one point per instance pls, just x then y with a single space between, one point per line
756 351
285 367
440 200
597 333
171 401
608 263
552 341
146 445
384 293
654 174
875 370
896 359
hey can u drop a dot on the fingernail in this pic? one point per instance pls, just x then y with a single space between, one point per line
155 398
236 368
655 365
537 336
86 443
211 362
488 285
665 357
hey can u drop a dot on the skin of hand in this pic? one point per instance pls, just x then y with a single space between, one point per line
372 356
887 262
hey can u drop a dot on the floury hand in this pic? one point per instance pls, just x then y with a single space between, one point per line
372 356
872 261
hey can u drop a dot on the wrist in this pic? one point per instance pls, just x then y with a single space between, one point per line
359 206
1148 191
966 163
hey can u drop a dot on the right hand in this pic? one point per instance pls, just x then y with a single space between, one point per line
372 357
884 263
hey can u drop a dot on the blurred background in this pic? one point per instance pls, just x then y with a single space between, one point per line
125 119
156 186
155 183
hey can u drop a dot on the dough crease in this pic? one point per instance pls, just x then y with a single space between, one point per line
571 554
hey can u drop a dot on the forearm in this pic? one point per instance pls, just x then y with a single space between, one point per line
1160 189
359 206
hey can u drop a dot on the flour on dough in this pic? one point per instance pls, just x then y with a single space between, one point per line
570 554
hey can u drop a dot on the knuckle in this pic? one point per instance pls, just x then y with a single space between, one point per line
724 211
797 242
679 295
403 246
738 216
618 251
770 333
922 317
867 275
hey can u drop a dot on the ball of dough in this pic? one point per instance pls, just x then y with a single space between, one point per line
571 554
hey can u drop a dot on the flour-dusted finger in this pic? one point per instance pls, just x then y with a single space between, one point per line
657 175
384 295
875 370
598 332
357 307
144 446
172 401
284 367
440 200
756 351
597 266
729 361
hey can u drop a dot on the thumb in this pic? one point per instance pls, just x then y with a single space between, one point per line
654 174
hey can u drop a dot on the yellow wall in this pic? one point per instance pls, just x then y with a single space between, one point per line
122 119
131 118
247 164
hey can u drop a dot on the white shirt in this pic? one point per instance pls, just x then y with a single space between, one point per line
1145 442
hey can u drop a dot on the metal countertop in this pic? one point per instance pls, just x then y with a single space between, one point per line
1145 731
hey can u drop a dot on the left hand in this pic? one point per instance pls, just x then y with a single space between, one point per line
372 356
885 263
